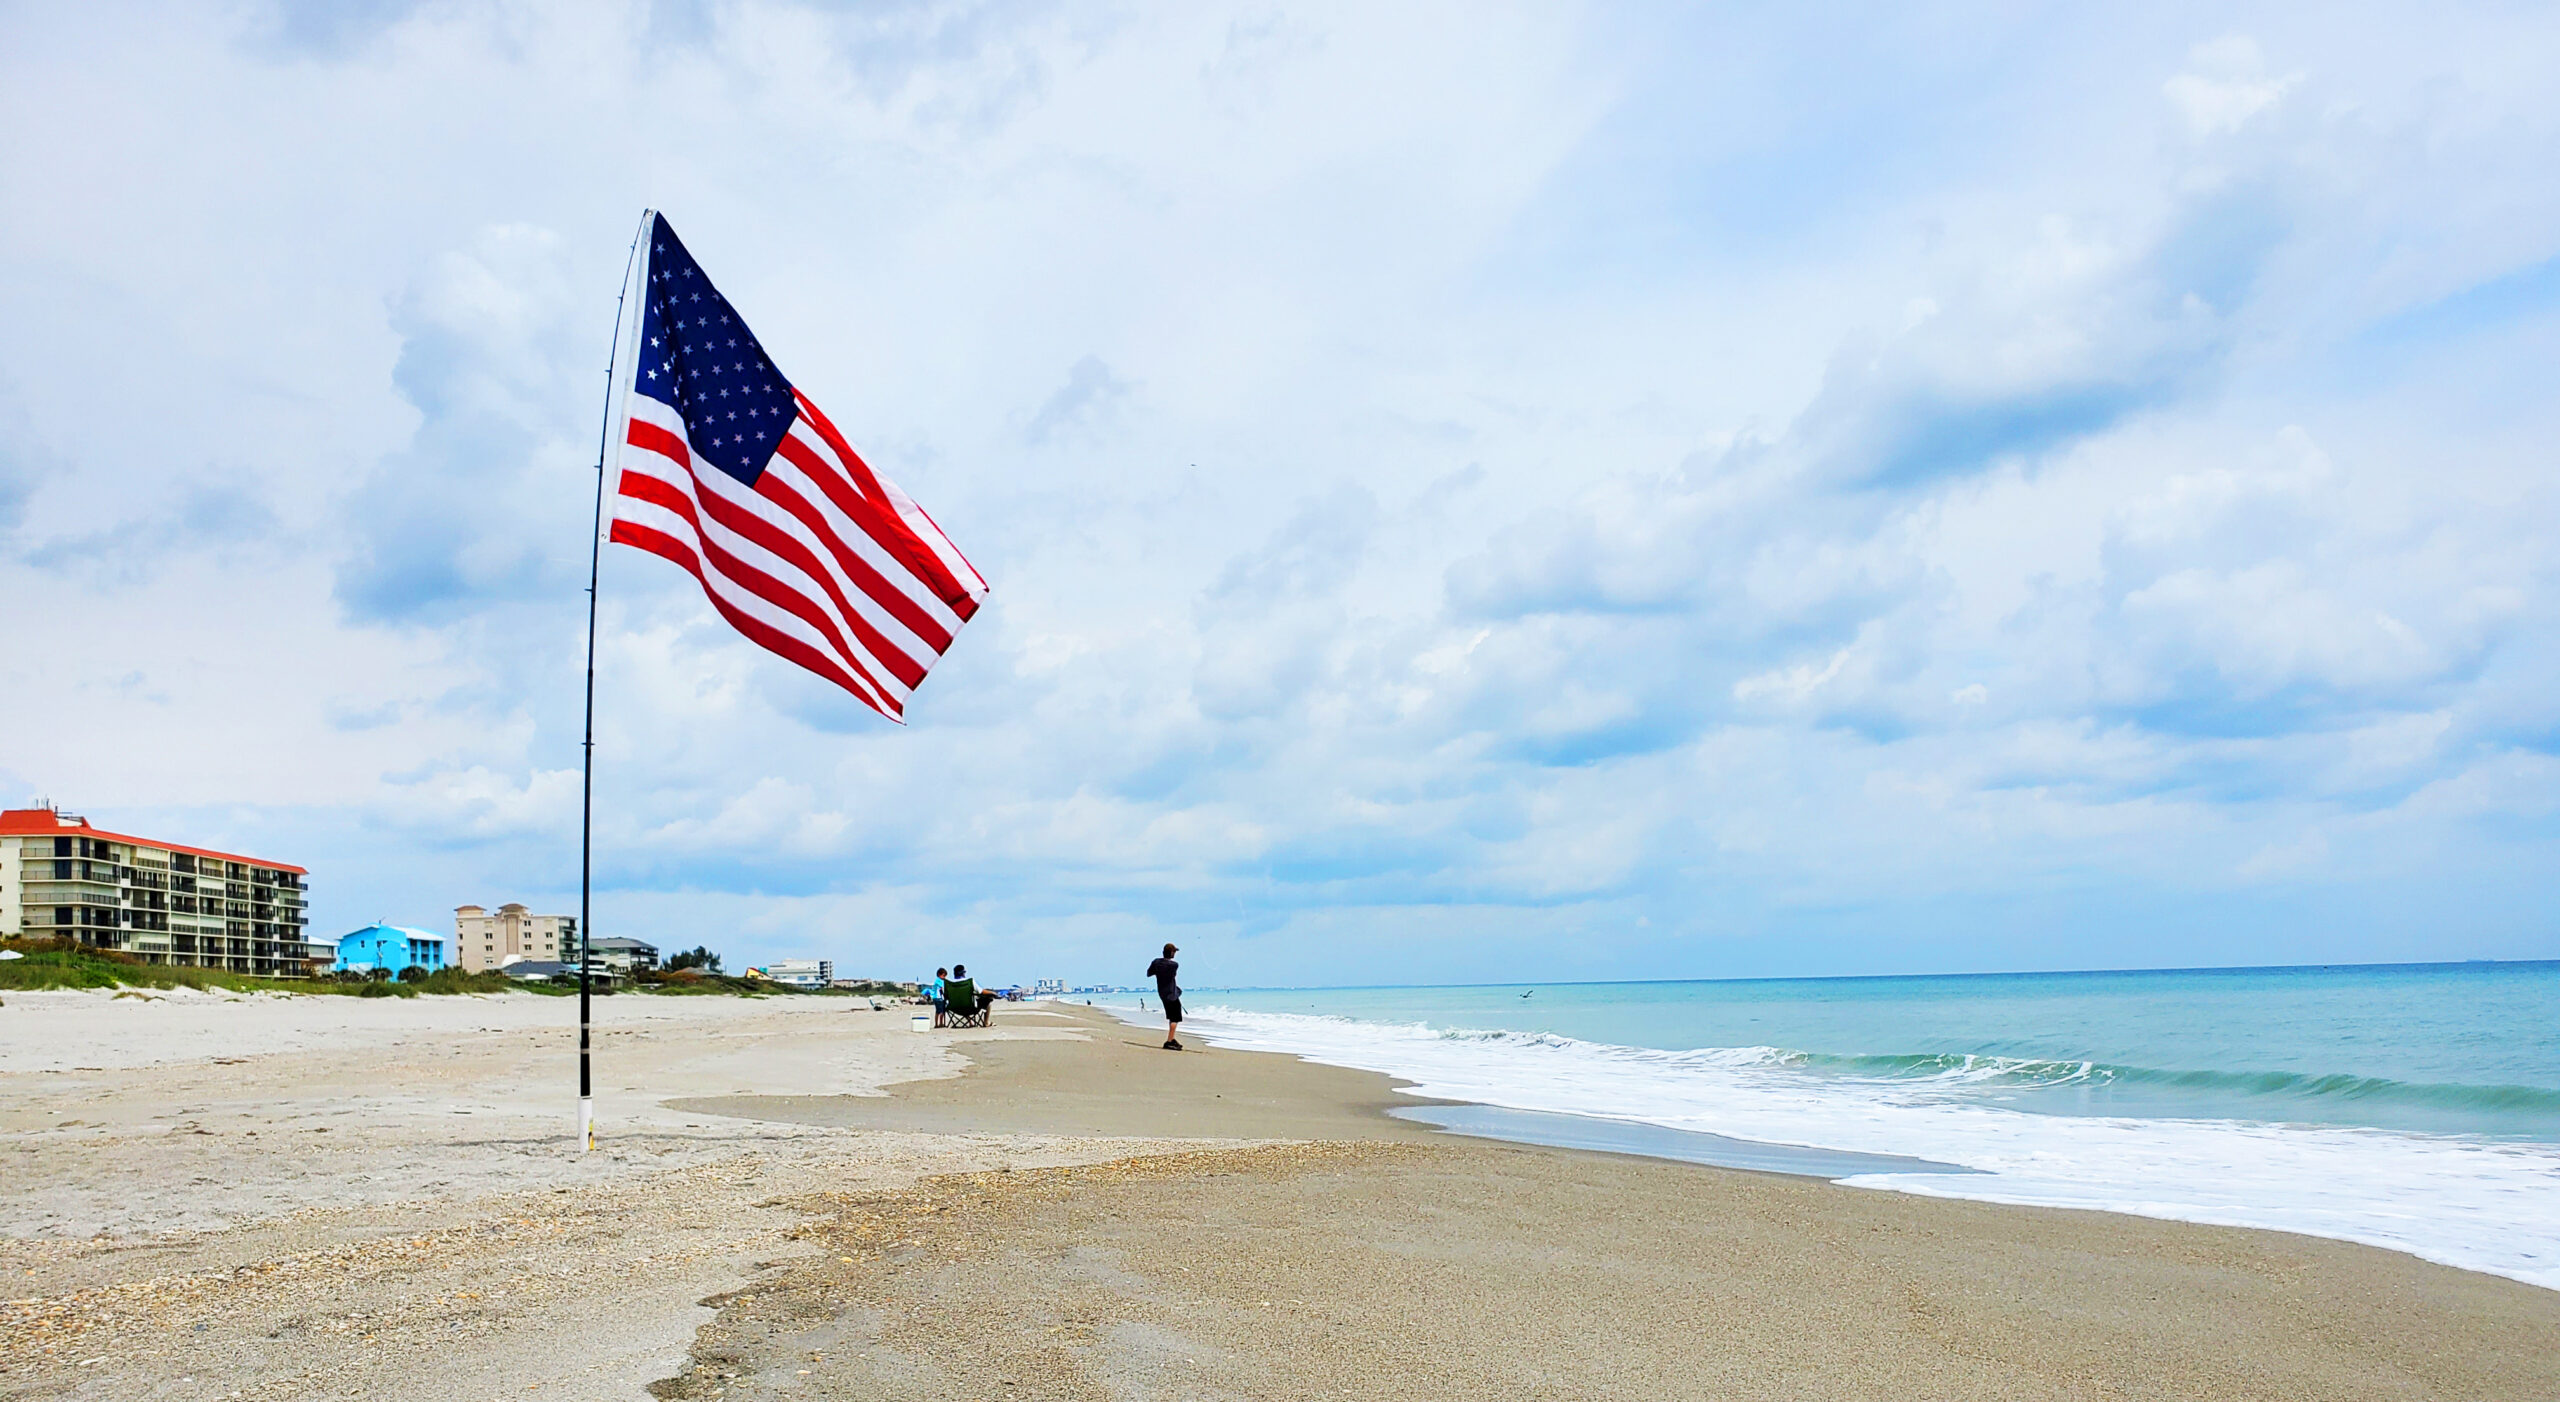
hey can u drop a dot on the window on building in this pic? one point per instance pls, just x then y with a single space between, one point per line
61 870
62 915
62 847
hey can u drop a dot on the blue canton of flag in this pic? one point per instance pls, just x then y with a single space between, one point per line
697 357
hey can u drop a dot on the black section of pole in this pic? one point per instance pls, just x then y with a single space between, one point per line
587 747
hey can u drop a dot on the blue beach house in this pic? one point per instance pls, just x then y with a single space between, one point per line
390 948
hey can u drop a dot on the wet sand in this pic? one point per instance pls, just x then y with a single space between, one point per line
1384 1259
1119 1082
325 1198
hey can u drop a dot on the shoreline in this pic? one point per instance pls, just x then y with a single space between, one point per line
1053 1207
2131 1301
2465 1196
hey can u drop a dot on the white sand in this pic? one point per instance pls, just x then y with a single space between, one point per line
323 1195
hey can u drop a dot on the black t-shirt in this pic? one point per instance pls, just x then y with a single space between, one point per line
1162 971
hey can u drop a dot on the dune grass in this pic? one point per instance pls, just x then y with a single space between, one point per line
53 963
58 963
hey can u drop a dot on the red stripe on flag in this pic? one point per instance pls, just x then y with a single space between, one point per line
649 436
756 630
870 515
721 561
893 532
892 600
781 542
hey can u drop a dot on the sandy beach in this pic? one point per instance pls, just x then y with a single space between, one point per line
286 1197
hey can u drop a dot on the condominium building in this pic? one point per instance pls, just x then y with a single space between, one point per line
162 902
802 973
624 956
484 940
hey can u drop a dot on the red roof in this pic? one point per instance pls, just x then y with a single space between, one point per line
44 822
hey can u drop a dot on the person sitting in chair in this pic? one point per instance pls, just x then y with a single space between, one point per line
968 1004
981 1001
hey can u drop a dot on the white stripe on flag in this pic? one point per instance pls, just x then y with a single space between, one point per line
884 693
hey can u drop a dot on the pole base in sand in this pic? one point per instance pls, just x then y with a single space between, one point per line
586 1124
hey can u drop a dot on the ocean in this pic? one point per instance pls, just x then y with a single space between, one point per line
2415 1107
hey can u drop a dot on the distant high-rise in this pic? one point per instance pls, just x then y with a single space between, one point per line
162 902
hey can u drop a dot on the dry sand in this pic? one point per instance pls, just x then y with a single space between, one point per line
328 1197
296 1197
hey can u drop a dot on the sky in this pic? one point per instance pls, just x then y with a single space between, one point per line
1471 492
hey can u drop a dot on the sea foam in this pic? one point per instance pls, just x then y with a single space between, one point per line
2477 1203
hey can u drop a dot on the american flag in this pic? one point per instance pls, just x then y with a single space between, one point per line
731 472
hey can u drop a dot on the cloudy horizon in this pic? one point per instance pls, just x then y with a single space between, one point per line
1470 494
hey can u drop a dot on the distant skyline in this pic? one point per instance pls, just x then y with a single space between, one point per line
1471 494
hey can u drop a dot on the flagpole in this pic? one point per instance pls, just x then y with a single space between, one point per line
587 797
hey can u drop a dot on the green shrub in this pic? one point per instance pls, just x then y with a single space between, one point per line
60 969
699 957
695 981
58 963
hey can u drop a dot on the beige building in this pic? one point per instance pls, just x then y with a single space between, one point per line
485 939
161 902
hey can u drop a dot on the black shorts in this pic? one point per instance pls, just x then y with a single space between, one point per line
1173 1009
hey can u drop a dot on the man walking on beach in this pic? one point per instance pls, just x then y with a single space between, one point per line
1162 971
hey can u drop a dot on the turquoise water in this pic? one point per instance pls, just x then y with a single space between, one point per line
2447 1048
2415 1107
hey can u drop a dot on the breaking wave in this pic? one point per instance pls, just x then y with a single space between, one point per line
2481 1202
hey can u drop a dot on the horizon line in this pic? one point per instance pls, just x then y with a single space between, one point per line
1849 978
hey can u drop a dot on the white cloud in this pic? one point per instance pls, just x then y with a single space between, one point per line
2224 84
1795 683
1459 487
